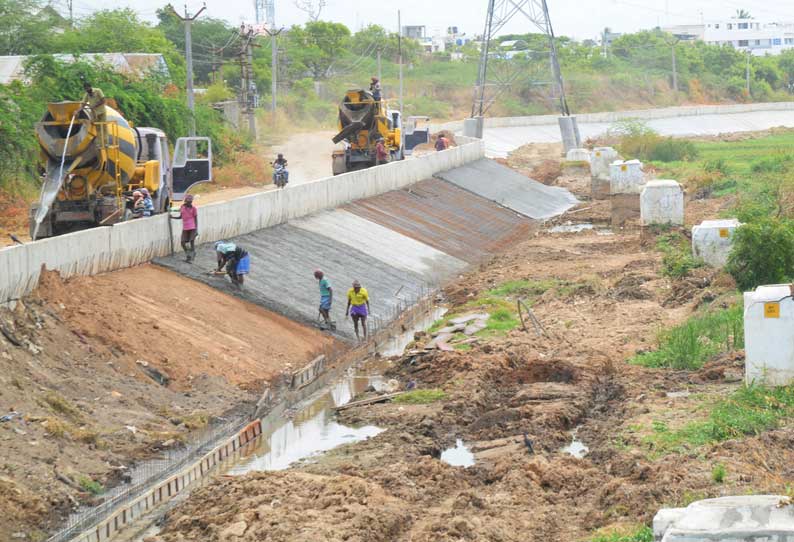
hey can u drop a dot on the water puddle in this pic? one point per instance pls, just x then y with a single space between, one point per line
576 448
570 227
396 344
312 429
459 456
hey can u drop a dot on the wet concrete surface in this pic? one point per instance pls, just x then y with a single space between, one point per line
499 183
283 259
447 218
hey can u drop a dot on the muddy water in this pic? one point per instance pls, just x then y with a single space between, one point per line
312 430
576 448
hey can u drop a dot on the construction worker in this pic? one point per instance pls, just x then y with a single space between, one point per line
137 204
188 214
358 307
442 143
381 153
148 204
375 89
94 99
326 298
236 260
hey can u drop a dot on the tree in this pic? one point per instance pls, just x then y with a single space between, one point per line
213 40
26 27
743 14
313 48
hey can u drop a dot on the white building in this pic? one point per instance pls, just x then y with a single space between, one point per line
758 37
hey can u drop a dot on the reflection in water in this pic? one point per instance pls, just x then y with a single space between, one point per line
312 430
459 456
396 344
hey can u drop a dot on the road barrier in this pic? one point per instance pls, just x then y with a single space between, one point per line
135 242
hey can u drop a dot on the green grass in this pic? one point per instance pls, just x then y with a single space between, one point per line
677 261
522 288
420 397
748 411
718 473
691 344
92 486
640 534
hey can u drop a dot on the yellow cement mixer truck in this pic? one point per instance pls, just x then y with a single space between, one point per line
91 168
363 120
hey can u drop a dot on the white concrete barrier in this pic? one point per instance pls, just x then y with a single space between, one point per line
662 202
578 155
104 249
626 177
769 335
712 241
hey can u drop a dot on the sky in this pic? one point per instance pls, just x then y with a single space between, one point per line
580 19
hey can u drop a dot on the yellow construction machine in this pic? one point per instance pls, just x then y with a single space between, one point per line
91 168
362 122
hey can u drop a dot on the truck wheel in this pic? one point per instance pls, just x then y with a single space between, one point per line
338 165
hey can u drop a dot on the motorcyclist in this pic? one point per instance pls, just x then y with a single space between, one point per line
280 161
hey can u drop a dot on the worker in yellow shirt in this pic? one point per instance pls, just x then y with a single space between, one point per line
94 99
358 307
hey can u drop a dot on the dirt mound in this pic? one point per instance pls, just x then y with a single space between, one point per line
180 327
284 507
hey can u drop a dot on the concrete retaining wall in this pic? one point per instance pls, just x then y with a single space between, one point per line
132 243
612 116
169 488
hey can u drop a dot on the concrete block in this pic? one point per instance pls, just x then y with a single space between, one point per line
747 518
569 132
626 177
662 202
473 127
600 161
769 335
664 519
578 155
712 241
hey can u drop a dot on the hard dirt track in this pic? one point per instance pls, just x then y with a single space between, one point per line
600 299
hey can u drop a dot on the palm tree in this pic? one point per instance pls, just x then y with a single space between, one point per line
743 14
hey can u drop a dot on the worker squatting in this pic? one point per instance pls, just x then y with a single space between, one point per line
237 262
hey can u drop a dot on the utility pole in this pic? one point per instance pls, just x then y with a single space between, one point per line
380 73
188 20
747 73
71 13
675 71
247 95
400 55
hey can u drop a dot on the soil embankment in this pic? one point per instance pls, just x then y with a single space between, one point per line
101 372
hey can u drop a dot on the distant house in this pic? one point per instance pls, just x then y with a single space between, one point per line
12 68
757 37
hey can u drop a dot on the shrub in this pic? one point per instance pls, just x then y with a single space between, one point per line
672 150
776 163
691 344
763 253
718 473
677 261
92 486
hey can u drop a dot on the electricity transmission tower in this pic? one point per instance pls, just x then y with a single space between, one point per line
498 72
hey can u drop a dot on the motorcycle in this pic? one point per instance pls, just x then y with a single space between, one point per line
280 175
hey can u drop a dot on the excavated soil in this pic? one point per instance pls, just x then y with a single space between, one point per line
109 370
609 304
